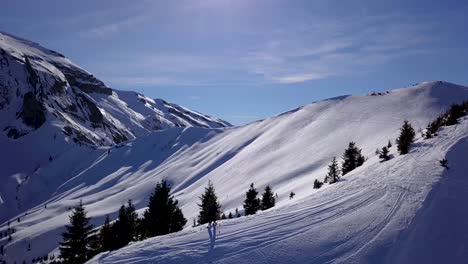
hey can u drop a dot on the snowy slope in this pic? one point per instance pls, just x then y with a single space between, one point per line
288 152
405 210
41 89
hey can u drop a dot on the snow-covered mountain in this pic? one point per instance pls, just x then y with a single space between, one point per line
372 213
40 87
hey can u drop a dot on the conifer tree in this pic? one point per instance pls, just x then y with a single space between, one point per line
229 215
77 240
106 236
125 226
291 195
209 206
251 202
317 184
333 172
352 158
389 144
268 199
383 155
456 111
406 138
178 220
163 215
223 216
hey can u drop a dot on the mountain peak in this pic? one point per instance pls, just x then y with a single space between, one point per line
40 87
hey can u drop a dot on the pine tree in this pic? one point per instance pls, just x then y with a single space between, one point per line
352 158
77 240
383 155
428 133
317 184
456 111
333 172
389 144
237 213
229 215
163 215
444 163
268 199
251 202
406 138
223 216
125 226
209 207
178 220
106 236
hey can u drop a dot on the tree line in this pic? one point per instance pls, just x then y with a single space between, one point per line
352 157
82 241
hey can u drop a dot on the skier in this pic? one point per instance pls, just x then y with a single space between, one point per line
212 233
209 232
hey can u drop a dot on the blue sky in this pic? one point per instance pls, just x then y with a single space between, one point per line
243 60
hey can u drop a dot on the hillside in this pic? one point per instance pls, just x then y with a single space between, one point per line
119 144
405 210
288 152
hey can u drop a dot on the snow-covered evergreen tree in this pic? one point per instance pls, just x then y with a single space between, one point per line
317 184
77 239
209 206
383 155
406 138
268 199
163 215
251 202
125 226
106 236
333 172
352 158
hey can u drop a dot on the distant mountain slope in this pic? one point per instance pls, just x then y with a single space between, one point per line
41 88
288 151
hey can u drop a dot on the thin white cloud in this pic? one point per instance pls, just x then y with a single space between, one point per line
315 49
298 78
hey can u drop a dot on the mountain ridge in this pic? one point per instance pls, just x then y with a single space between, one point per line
40 86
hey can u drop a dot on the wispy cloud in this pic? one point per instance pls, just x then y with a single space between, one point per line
113 28
293 53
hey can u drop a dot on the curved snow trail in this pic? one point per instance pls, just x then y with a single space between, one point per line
377 213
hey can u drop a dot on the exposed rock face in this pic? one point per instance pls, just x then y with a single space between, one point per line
33 113
39 86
